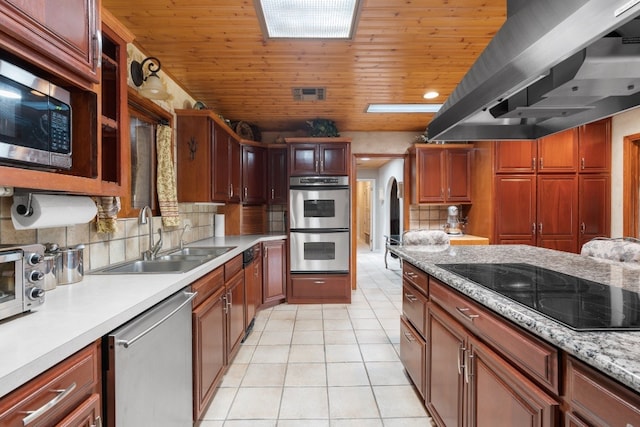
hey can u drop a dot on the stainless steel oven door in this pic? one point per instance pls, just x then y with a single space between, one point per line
319 251
11 284
319 208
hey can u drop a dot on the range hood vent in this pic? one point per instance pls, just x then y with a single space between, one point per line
552 66
308 93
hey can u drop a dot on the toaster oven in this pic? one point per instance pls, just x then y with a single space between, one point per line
21 279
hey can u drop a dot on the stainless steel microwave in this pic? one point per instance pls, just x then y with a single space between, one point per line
35 120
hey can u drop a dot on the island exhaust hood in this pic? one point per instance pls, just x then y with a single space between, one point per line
552 66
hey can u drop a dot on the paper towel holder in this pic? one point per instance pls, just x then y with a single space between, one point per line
23 210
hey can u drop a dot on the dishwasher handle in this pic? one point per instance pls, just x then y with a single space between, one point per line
127 343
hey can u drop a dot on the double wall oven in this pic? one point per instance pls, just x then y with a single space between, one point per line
319 224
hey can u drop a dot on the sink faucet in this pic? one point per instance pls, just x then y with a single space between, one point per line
146 217
184 229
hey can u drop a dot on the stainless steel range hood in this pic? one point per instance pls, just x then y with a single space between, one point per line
552 66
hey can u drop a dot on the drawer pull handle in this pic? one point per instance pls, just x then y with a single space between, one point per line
468 369
410 297
34 415
318 282
408 336
461 351
469 317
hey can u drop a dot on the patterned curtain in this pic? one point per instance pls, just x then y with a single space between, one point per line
166 180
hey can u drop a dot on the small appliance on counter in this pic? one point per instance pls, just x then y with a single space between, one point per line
21 278
453 225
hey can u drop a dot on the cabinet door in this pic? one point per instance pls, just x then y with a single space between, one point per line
558 152
208 350
88 414
235 313
412 354
67 35
234 170
253 174
595 147
516 156
515 209
499 395
221 182
558 212
303 159
444 379
194 159
334 159
274 272
430 181
277 184
594 207
458 172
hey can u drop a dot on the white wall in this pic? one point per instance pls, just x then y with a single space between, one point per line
623 124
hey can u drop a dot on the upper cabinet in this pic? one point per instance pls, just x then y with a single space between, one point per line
277 183
63 39
440 174
595 147
254 174
319 156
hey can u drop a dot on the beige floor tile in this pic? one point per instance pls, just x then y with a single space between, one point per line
399 402
352 402
307 354
338 324
219 407
233 376
307 337
303 423
264 375
370 324
273 337
256 403
270 354
279 325
309 314
283 315
343 353
365 336
304 402
366 422
211 423
250 423
341 337
362 313
306 374
335 313
253 338
408 422
378 353
308 325
245 353
346 374
387 373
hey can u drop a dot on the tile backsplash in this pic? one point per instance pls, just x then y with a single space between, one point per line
427 217
126 243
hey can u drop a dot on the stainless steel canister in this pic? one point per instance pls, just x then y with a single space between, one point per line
50 281
69 268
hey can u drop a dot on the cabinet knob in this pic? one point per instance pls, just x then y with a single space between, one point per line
582 163
583 227
533 228
541 163
540 228
533 163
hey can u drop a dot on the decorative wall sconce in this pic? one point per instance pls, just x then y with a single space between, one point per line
150 86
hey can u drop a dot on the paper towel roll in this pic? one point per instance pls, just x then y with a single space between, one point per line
51 210
218 225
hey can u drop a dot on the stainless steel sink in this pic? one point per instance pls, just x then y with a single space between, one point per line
178 261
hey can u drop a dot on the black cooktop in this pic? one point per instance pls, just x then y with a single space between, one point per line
580 304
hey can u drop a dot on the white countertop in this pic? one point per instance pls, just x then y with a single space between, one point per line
75 315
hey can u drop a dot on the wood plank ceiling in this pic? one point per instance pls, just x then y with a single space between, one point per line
402 48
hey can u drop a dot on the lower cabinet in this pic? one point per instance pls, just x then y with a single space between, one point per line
274 272
253 286
235 305
412 354
319 289
66 395
471 385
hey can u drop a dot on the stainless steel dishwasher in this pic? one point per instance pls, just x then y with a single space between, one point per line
149 377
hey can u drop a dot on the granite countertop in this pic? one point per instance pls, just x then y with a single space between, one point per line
73 316
616 354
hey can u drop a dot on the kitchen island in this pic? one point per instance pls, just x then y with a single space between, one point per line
616 354
74 316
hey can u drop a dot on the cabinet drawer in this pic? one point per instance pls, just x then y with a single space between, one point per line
69 384
416 277
320 289
599 400
412 354
207 285
232 267
536 358
414 307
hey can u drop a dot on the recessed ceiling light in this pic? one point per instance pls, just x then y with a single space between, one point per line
365 159
431 95
309 19
403 108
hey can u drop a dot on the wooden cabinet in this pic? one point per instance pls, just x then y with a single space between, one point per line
277 182
253 286
63 40
235 301
208 159
516 156
557 212
595 400
471 384
274 272
439 174
515 209
319 156
209 351
254 174
595 147
594 201
412 354
558 153
66 394
319 289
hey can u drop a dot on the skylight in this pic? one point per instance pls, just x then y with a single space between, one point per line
403 108
308 19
